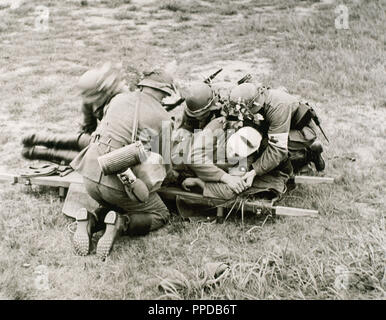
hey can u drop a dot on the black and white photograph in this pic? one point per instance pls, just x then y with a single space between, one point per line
170 151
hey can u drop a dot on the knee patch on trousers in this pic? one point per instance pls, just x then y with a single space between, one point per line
140 225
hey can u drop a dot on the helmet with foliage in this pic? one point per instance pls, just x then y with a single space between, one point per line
243 93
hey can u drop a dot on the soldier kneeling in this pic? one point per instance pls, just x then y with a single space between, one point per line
131 210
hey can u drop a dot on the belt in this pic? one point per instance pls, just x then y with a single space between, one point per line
107 141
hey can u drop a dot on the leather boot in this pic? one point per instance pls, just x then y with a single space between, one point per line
299 159
140 225
57 141
88 223
116 224
53 155
316 150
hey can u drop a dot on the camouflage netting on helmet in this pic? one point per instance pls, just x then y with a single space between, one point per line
237 115
158 79
237 109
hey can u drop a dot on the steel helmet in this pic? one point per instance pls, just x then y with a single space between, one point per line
158 79
243 143
245 92
199 98
101 82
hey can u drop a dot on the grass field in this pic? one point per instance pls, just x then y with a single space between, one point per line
340 255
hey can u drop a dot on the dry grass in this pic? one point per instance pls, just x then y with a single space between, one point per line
340 255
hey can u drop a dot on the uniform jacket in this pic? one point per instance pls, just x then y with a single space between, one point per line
91 114
278 108
203 153
191 124
116 127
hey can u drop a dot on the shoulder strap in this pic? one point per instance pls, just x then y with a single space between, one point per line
135 122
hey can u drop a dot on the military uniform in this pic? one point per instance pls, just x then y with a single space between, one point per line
190 123
278 109
202 106
90 117
115 131
97 86
205 159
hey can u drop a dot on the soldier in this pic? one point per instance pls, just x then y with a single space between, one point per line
280 111
202 106
97 87
217 161
128 215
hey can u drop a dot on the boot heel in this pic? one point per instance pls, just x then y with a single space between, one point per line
82 214
316 147
82 237
106 242
111 217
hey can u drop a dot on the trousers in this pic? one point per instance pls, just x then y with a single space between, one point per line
154 208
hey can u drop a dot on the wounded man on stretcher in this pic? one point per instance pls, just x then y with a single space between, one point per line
219 162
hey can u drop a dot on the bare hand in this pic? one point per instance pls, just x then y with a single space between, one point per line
248 178
237 184
191 182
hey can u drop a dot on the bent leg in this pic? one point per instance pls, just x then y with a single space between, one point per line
127 217
148 216
144 216
300 139
218 190
301 149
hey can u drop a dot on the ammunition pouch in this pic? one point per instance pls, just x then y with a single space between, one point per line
120 159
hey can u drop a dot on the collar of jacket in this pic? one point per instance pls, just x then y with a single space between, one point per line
151 95
99 111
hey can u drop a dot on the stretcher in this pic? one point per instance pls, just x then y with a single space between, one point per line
72 191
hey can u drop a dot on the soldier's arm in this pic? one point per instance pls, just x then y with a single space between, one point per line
279 119
89 121
201 157
207 172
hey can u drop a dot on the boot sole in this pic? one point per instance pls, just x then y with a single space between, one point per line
81 238
106 242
